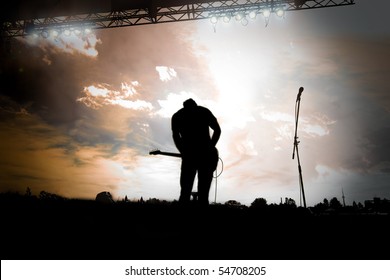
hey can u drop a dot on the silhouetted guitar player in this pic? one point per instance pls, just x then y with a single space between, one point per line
191 135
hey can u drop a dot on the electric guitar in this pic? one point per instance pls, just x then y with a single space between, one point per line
214 156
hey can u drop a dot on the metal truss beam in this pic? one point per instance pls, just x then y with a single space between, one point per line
153 14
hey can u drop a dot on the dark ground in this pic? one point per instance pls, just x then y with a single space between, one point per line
82 229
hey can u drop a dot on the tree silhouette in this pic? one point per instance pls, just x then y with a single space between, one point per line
335 203
326 203
233 203
28 192
43 195
259 203
290 202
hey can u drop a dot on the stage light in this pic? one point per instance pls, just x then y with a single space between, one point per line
239 17
54 33
8 24
214 20
244 15
87 31
266 13
226 18
280 12
67 32
45 34
252 14
77 32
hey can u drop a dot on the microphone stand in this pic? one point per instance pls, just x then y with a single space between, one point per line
296 142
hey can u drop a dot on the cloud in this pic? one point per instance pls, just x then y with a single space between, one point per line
100 95
166 73
71 42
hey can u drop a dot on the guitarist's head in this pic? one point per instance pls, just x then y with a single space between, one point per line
190 104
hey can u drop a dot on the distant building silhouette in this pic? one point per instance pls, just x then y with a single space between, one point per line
377 205
343 197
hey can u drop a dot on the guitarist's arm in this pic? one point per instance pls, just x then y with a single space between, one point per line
216 131
177 140
176 134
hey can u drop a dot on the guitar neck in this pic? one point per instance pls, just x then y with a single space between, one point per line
158 152
170 154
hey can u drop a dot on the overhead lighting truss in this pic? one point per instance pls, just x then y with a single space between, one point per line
191 10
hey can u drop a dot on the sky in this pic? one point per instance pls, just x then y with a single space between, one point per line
79 115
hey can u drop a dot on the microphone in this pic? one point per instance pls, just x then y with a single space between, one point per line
299 93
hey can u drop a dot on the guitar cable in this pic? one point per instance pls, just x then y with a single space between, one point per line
216 176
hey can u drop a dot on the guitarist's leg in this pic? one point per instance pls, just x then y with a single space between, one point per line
205 177
207 166
187 177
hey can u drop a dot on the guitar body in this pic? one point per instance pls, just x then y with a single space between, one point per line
213 160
